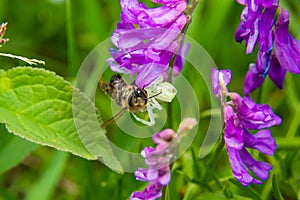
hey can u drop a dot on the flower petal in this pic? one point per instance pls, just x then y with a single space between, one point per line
248 29
160 16
233 133
151 192
262 141
163 16
146 175
149 73
164 176
269 3
254 116
259 168
287 48
265 29
253 79
276 73
186 124
218 78
165 136
238 167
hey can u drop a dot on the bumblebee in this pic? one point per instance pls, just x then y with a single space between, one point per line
124 95
131 97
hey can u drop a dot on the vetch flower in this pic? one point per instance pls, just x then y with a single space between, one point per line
256 24
146 39
257 72
278 50
253 116
240 116
286 48
158 159
219 87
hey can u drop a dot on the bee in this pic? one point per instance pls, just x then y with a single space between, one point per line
131 97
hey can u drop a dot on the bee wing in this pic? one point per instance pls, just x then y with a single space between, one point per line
105 86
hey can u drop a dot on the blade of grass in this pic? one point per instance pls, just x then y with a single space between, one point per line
13 151
277 193
45 186
292 96
294 124
72 55
94 19
288 142
250 191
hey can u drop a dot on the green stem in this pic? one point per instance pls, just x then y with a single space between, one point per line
164 193
217 151
259 95
288 143
294 124
72 57
170 115
188 12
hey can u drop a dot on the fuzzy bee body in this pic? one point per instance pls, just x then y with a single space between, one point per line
125 95
134 99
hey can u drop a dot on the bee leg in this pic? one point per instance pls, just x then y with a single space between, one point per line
114 118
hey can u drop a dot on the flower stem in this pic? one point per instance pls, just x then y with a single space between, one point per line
188 12
72 55
217 151
170 115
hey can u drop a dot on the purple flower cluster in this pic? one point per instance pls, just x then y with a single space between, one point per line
240 116
147 38
158 160
278 50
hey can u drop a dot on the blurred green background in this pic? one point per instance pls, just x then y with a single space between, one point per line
62 33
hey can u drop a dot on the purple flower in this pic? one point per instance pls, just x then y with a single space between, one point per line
253 116
158 159
215 77
257 22
286 48
147 38
276 73
242 115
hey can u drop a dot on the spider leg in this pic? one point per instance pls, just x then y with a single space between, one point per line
151 116
154 104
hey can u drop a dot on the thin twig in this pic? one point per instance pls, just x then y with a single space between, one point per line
27 60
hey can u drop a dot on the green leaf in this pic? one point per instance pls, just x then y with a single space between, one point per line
13 150
41 107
